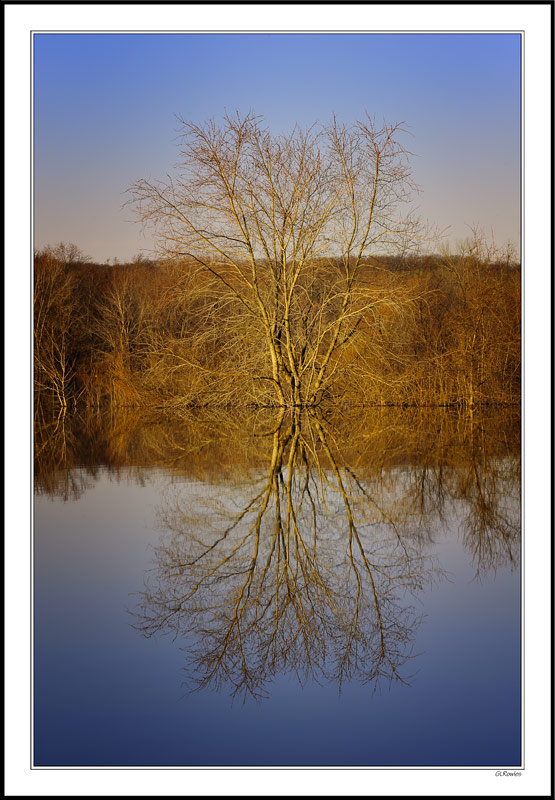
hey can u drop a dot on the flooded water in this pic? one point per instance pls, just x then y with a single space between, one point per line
301 589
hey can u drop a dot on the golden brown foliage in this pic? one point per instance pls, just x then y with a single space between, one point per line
438 331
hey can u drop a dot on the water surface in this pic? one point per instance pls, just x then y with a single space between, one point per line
278 590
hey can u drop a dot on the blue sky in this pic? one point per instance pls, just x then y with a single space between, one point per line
105 107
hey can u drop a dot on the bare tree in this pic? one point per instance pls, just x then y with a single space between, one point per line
67 253
285 225
54 315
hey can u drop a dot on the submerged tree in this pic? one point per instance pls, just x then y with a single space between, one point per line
282 227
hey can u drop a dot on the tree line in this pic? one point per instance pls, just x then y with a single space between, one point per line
441 330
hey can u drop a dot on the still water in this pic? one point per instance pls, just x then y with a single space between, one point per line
264 590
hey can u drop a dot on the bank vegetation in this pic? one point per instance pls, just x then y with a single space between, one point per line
443 330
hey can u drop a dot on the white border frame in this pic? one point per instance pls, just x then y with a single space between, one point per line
534 20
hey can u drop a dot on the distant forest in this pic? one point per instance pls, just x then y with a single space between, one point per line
434 330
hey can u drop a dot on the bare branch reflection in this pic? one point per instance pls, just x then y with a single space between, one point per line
305 570
491 526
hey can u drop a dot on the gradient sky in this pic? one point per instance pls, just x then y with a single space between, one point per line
105 107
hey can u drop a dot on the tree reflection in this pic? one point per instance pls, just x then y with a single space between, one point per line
491 525
309 571
299 543
56 468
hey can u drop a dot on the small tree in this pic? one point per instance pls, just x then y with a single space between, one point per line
285 225
67 253
55 312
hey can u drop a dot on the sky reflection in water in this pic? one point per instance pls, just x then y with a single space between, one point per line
360 574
